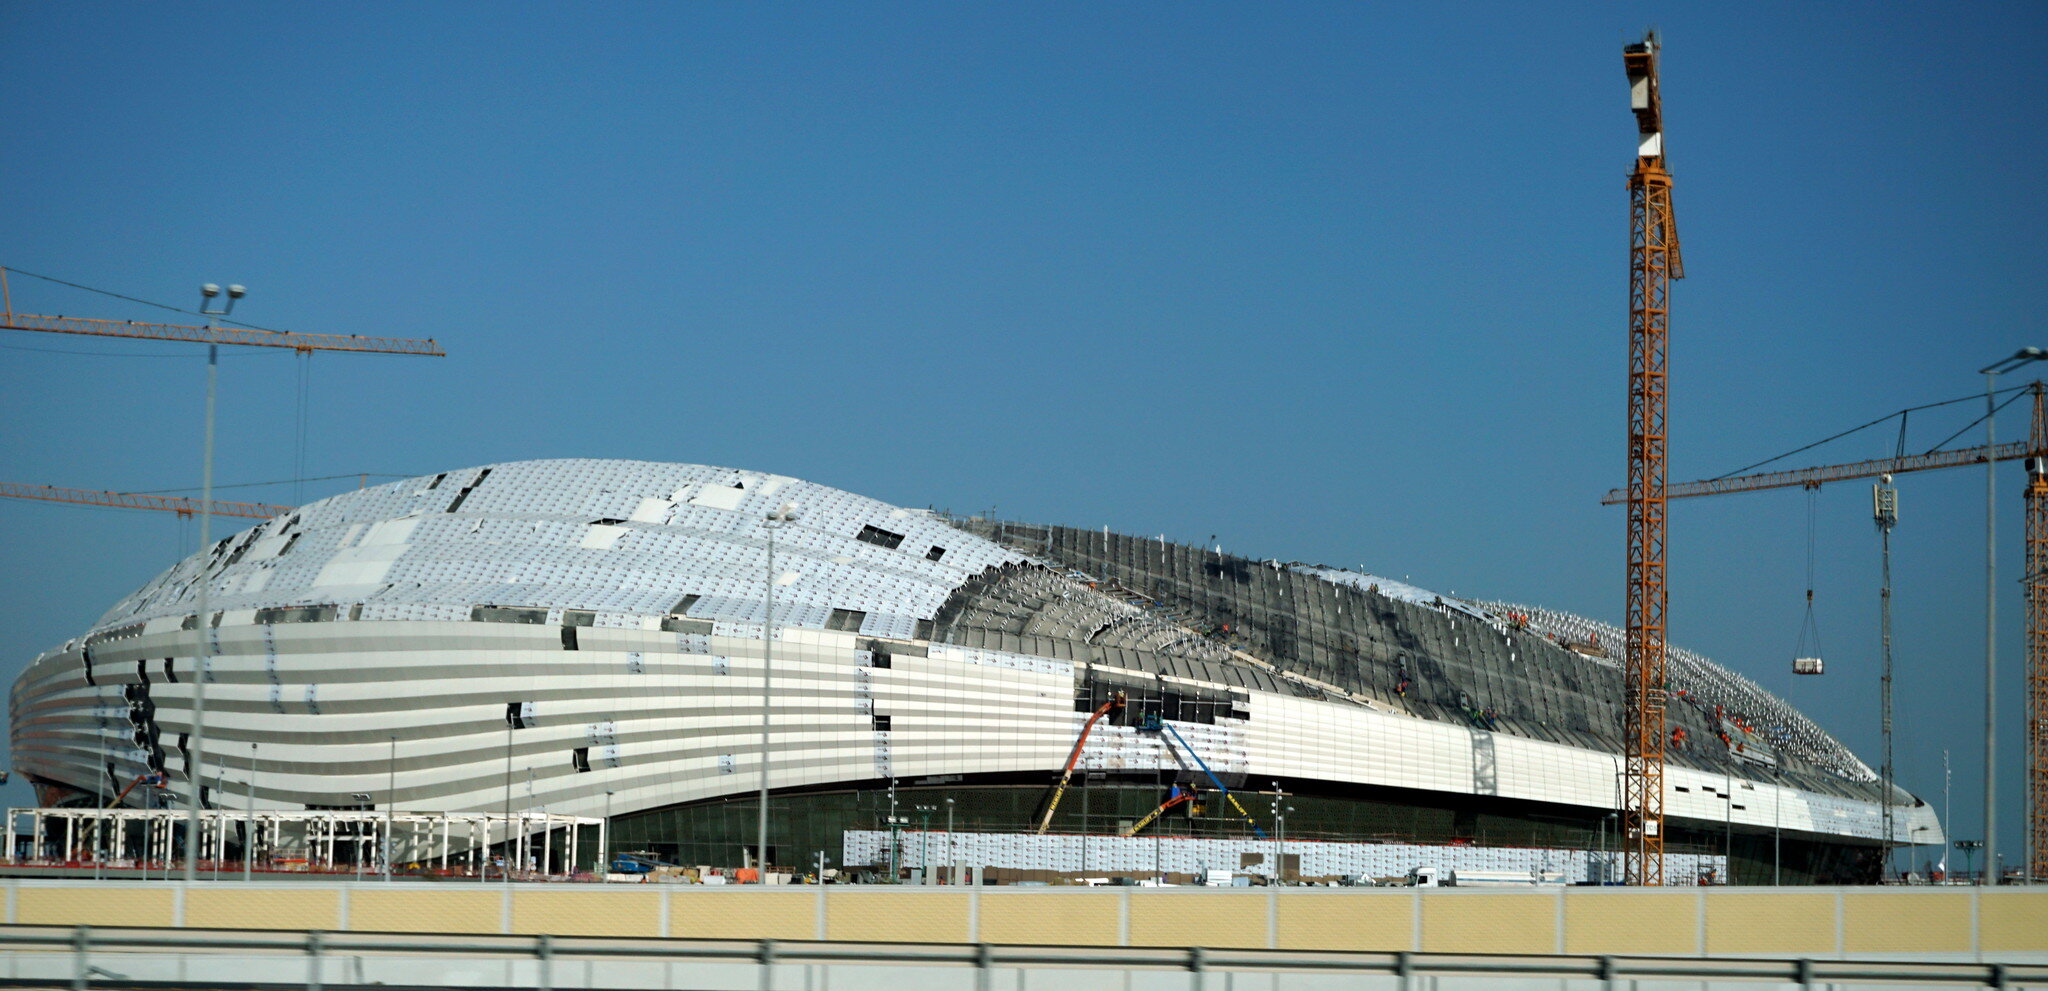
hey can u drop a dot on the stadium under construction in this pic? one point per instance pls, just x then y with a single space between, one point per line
627 641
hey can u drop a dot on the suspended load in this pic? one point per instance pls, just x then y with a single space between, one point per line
1806 657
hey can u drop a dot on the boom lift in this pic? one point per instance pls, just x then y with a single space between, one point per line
1155 724
153 778
1175 798
1067 773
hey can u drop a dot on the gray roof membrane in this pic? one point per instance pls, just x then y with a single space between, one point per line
1459 664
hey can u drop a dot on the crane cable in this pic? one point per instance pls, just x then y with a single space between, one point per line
1809 631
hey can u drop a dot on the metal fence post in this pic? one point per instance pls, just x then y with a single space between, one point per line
313 959
984 958
81 951
1198 964
1805 972
1404 968
1998 977
544 951
1607 972
767 964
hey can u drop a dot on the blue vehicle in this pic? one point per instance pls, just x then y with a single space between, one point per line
637 862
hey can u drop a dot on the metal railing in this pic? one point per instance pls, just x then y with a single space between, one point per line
544 951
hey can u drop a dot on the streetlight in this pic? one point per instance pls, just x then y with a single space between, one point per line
1279 834
895 841
362 798
505 871
606 853
780 517
99 801
390 800
197 758
249 835
1728 828
1969 848
924 852
1947 826
1777 834
1991 372
952 859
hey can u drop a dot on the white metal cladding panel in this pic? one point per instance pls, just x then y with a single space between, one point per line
519 538
1187 855
1333 741
677 726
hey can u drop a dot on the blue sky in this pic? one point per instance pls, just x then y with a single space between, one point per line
1334 282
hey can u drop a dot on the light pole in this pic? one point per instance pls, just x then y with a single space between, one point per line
99 801
1728 829
777 519
362 798
390 800
1991 372
505 872
249 836
1947 827
895 842
606 853
924 850
1279 834
196 759
952 859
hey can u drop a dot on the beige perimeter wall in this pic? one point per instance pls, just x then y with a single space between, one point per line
1820 922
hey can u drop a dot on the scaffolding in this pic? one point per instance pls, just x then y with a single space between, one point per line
318 841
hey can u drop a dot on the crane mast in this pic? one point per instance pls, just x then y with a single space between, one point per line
2037 643
1654 260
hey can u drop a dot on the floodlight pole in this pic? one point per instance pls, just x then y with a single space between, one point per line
390 800
779 517
249 837
99 801
196 758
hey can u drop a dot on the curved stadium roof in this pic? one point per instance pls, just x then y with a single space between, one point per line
671 561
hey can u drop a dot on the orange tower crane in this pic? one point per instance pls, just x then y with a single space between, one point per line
2034 452
129 500
1654 260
